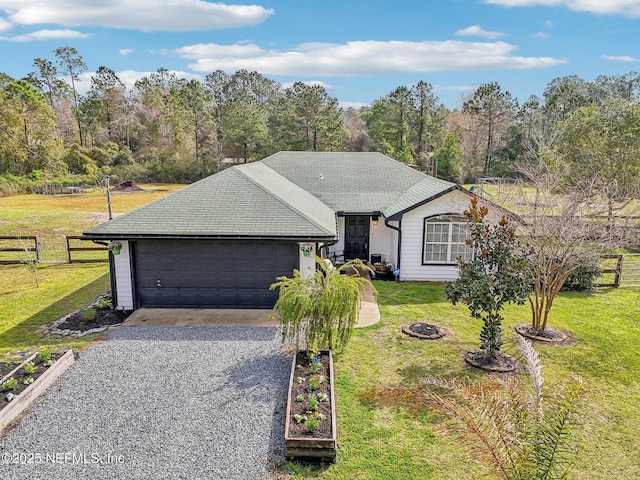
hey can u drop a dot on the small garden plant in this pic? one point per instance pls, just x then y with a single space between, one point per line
9 385
29 368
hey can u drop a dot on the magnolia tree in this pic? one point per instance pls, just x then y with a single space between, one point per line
496 276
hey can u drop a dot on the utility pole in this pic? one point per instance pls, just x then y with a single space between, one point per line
106 181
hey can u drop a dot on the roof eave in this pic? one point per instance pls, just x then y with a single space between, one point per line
122 236
398 215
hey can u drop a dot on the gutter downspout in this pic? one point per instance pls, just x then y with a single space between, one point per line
397 229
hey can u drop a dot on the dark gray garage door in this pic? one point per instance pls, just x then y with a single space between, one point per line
211 274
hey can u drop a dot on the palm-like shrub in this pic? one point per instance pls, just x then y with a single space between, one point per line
323 307
521 432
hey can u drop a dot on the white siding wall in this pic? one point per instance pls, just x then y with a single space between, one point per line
339 247
124 285
411 267
382 240
307 263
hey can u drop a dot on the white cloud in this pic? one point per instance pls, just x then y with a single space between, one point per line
478 31
43 35
549 24
146 15
126 51
354 105
4 25
619 58
544 35
628 8
453 88
360 58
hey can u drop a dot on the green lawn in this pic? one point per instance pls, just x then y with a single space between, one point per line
388 443
70 214
24 308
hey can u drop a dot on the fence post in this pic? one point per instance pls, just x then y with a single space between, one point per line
619 268
38 253
68 249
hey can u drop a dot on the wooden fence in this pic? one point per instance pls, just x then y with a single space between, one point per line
623 270
49 249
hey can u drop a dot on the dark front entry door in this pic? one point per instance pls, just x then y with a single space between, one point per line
356 240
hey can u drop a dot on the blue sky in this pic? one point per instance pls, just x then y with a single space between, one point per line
360 50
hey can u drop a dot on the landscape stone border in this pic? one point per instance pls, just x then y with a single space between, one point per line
506 364
556 336
54 330
406 329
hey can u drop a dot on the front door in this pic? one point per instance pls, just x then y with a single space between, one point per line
356 239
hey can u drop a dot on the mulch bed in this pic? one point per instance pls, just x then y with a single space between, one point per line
503 363
423 330
549 336
104 317
21 375
299 430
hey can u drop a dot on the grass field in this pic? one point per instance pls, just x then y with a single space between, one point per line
70 214
24 308
387 443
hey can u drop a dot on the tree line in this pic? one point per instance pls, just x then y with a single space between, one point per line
167 129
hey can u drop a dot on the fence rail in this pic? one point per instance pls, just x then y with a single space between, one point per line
626 270
16 249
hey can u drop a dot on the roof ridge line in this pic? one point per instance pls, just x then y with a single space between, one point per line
280 199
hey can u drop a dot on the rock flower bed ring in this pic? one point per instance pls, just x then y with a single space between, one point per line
551 335
423 330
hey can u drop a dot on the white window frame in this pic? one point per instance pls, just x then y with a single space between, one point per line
446 245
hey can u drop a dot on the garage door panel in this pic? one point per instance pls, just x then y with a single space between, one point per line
213 274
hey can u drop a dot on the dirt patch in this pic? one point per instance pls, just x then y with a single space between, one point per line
6 367
128 186
93 318
103 318
24 377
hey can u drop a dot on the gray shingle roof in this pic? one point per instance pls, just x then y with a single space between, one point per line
357 182
232 203
287 195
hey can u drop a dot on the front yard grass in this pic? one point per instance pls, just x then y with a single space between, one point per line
389 443
24 308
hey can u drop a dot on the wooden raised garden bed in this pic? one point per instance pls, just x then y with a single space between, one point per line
40 384
300 442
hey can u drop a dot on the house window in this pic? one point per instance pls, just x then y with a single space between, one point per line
445 238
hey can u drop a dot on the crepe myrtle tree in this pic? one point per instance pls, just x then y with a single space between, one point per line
496 276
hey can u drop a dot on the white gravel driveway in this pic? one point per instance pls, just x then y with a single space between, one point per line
159 403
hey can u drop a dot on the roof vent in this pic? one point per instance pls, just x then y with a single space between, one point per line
321 177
